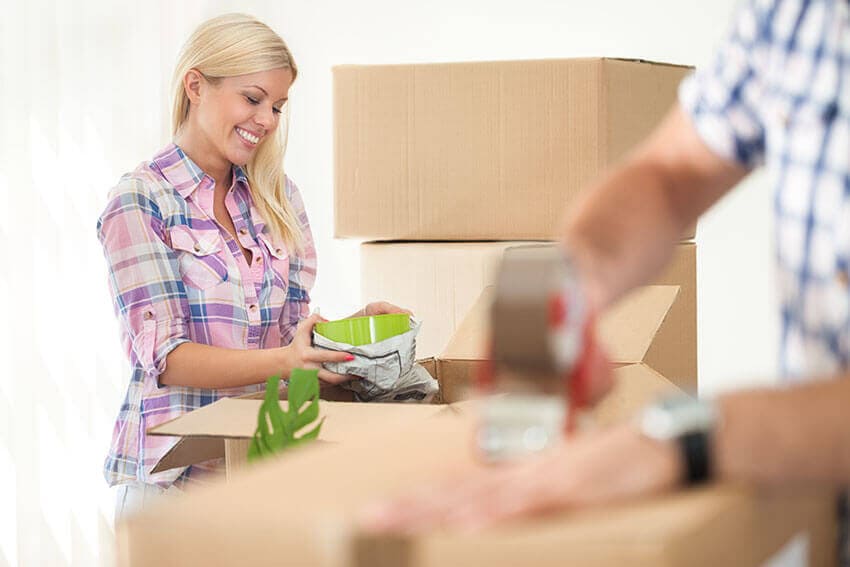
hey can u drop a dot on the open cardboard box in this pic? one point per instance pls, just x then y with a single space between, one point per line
300 510
627 330
442 280
224 428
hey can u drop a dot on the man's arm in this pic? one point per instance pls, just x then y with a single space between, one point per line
786 435
624 229
766 437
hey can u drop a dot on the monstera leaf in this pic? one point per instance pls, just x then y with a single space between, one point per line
276 428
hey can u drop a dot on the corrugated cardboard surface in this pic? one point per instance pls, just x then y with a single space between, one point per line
674 351
299 510
440 282
204 430
487 150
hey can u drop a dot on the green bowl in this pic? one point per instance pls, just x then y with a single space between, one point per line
365 330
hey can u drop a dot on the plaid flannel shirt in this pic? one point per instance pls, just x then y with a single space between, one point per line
777 93
177 276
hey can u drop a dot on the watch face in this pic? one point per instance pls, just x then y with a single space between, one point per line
676 416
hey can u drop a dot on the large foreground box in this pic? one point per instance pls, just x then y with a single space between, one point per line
300 510
440 282
485 150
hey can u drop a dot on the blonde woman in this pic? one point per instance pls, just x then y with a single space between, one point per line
210 253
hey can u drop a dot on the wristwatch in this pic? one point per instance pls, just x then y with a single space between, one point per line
690 423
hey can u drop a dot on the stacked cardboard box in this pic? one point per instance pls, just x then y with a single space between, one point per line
444 166
440 282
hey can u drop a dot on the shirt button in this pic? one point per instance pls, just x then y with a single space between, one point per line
243 231
148 315
259 259
253 307
197 247
278 251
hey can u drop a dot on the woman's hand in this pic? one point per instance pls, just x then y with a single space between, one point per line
301 353
380 308
599 467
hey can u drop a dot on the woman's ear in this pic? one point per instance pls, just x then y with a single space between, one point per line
192 83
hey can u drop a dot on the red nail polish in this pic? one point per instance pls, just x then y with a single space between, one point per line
349 358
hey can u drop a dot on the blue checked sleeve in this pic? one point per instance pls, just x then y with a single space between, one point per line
722 97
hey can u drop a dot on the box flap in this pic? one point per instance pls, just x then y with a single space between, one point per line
205 429
627 328
232 418
190 450
635 386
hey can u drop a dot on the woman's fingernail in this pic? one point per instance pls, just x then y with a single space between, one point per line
349 358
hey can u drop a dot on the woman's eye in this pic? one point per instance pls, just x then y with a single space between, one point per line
277 110
252 100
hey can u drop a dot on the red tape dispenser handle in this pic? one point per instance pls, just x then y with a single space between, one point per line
578 381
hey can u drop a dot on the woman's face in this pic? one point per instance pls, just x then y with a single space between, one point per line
237 113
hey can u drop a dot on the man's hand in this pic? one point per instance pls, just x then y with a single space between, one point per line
606 466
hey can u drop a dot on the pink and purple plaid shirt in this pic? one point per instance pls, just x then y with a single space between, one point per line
176 277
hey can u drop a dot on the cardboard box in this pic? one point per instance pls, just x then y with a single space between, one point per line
673 352
225 428
627 330
441 281
486 150
300 510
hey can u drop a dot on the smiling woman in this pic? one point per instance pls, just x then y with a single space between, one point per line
210 253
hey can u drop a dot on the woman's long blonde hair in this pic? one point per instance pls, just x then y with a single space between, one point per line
237 44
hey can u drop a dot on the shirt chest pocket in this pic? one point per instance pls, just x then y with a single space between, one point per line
278 259
199 256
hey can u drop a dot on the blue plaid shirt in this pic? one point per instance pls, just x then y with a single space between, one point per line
777 93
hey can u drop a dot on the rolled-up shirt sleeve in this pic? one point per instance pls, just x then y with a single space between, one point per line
149 296
302 270
723 97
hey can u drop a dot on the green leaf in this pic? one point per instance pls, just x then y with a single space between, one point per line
306 417
303 386
276 428
278 422
313 433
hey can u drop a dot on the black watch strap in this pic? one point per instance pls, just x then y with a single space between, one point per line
696 452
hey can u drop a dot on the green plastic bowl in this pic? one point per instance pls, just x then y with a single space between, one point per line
365 330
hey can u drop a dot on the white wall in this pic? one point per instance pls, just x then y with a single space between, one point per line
83 98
